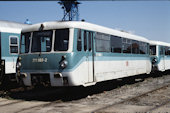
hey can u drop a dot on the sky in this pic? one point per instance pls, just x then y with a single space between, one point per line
150 19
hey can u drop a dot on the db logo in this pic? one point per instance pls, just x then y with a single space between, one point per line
127 63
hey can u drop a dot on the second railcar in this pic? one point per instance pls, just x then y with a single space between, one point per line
160 55
9 47
79 53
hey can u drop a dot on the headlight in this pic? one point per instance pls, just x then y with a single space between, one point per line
63 64
19 58
2 63
18 65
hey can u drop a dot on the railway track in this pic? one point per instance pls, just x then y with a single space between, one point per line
159 106
62 101
37 106
41 103
102 109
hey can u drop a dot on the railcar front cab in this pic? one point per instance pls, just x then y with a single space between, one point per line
49 57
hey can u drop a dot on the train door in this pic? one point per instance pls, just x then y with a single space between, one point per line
13 50
88 47
162 58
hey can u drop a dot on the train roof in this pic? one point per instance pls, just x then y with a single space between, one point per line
82 25
12 27
152 42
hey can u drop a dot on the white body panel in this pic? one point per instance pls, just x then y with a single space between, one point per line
10 67
161 65
167 63
10 64
106 70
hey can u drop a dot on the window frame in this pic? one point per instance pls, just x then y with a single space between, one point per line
79 40
54 39
118 39
126 42
10 37
85 39
30 43
33 39
153 47
162 50
137 48
104 39
143 48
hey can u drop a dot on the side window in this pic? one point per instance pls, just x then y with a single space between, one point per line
90 40
143 47
152 49
13 44
61 42
79 40
116 44
87 36
146 48
85 40
102 42
25 42
135 47
161 50
168 50
126 45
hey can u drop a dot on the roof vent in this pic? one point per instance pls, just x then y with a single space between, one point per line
83 20
41 27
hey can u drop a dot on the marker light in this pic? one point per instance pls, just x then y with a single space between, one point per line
63 64
18 65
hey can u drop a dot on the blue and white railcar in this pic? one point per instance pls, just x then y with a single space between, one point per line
79 53
160 55
9 44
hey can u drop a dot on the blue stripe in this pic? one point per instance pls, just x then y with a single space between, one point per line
107 58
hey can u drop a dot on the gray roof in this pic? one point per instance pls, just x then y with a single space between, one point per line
152 42
81 25
9 24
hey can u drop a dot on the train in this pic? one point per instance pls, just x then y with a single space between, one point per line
160 55
76 53
9 48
